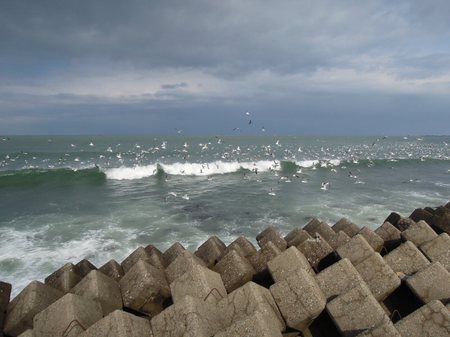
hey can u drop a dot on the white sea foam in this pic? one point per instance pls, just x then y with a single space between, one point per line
131 173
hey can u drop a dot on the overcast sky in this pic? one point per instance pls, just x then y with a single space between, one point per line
299 67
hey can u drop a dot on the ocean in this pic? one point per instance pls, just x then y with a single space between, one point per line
65 198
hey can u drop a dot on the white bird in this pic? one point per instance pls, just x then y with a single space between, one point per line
91 144
325 185
185 197
247 113
73 145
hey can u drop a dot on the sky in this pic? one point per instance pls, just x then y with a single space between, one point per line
323 67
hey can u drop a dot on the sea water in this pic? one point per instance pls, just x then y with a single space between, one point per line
65 198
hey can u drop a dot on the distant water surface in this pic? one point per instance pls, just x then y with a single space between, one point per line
66 198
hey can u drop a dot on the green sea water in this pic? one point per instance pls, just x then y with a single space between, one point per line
65 198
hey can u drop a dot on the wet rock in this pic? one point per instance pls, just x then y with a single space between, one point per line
406 259
386 329
325 231
433 319
438 250
419 233
31 300
183 263
101 288
172 253
431 283
5 294
64 279
112 269
286 263
199 282
296 237
372 238
119 324
421 214
356 250
260 259
144 288
338 278
251 326
211 251
235 270
242 246
271 234
247 300
140 254
84 267
69 316
191 317
393 218
315 250
442 223
355 311
299 299
379 276
346 226
390 235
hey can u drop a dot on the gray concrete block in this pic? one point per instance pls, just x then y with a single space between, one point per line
260 259
34 298
183 263
379 276
235 270
356 250
101 288
299 299
341 239
431 283
372 238
211 251
64 279
386 329
338 278
346 226
419 233
271 234
144 288
286 263
430 320
140 254
199 282
119 324
172 253
112 269
406 259
296 237
28 333
84 267
251 326
247 300
69 316
315 250
404 223
191 317
242 246
438 250
325 231
5 294
356 311
390 235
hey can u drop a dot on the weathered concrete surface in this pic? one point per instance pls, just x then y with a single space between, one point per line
144 288
235 270
242 246
286 263
393 218
140 254
299 299
101 288
406 259
247 300
34 298
372 238
112 269
260 259
431 283
296 237
252 326
355 311
183 263
315 249
419 233
390 235
5 294
84 267
191 317
386 329
341 238
28 333
172 253
379 276
324 230
346 226
338 278
356 250
271 234
64 279
119 324
211 251
404 223
68 317
431 320
421 214
199 282
438 250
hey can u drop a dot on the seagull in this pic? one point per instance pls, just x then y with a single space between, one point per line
272 193
247 113
91 144
250 122
325 185
185 197
263 129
